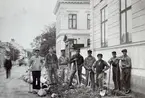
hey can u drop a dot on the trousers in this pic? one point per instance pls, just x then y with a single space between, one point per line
52 72
126 76
90 74
116 77
73 74
36 79
64 73
99 80
8 72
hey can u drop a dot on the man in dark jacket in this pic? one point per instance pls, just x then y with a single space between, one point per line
99 67
8 66
115 70
77 58
51 65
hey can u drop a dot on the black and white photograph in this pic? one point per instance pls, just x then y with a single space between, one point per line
72 48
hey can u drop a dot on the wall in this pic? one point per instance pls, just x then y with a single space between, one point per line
135 49
81 33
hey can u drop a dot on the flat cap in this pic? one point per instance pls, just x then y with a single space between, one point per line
62 50
89 51
100 55
124 50
114 52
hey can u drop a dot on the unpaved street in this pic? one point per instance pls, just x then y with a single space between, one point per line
14 87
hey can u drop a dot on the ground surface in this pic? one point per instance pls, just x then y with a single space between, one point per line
14 87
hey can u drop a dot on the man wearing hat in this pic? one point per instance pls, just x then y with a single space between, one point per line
63 65
99 67
126 70
79 60
51 65
115 70
36 63
8 65
88 63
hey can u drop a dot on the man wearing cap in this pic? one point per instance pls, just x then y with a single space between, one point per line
8 66
89 61
126 70
77 58
36 63
63 65
99 67
115 70
51 65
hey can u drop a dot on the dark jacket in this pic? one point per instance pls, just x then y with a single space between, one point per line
8 64
79 59
51 61
114 62
100 66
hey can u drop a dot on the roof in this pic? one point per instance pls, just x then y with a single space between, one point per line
69 2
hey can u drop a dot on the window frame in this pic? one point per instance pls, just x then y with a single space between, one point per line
127 8
88 22
103 43
72 24
88 42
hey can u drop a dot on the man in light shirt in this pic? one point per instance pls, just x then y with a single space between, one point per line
63 66
36 63
126 66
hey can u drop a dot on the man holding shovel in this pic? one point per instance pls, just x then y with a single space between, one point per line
115 70
36 63
99 67
78 61
89 72
126 66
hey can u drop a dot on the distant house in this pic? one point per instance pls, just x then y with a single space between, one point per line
72 22
119 24
14 44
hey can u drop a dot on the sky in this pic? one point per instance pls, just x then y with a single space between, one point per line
23 20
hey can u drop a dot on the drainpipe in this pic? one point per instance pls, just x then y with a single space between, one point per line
93 26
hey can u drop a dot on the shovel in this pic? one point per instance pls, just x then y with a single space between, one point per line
89 79
77 74
30 91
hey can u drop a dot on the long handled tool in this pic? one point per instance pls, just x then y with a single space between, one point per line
30 91
108 91
77 73
89 79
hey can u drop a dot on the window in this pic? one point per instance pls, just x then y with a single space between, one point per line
72 21
126 21
88 42
88 21
104 27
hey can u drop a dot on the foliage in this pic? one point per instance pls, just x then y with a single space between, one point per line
45 40
14 53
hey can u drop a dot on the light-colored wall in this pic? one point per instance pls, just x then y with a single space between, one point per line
65 9
135 49
81 33
138 16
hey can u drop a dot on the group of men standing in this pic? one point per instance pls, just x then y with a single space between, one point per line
95 69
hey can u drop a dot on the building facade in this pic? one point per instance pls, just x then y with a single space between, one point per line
119 24
73 22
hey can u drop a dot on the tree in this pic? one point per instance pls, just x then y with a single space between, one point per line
45 40
14 53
